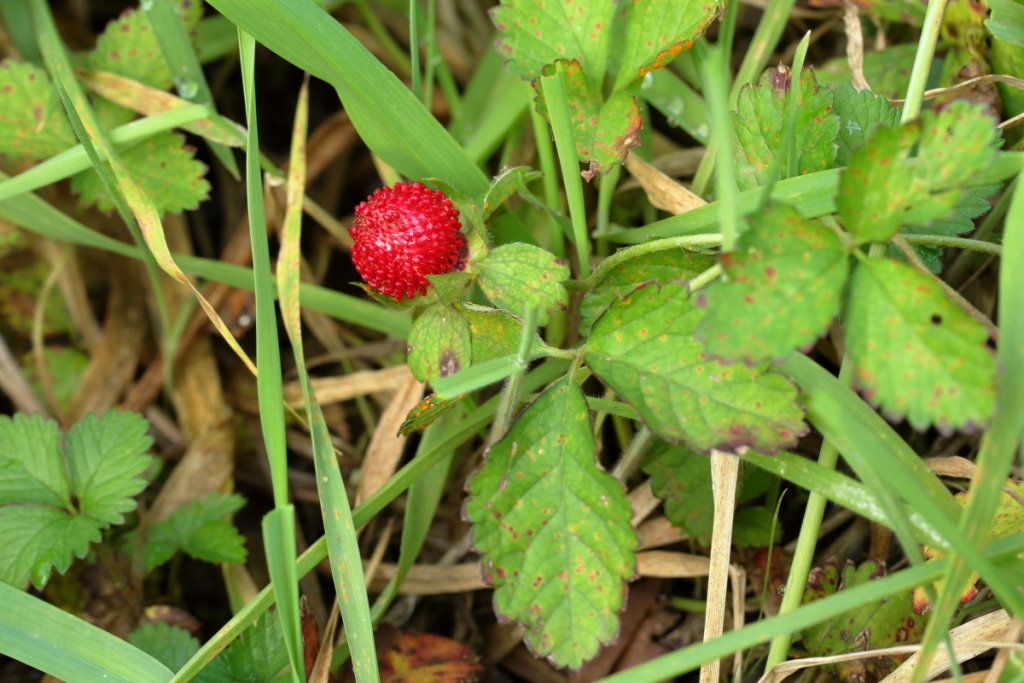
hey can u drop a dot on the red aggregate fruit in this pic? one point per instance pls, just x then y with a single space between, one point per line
403 233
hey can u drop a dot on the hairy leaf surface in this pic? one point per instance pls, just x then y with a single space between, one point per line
860 114
786 275
513 274
553 529
915 353
644 347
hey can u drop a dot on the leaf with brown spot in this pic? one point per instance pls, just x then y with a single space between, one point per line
33 124
513 274
427 658
439 343
553 529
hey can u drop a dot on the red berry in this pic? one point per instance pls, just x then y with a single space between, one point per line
402 234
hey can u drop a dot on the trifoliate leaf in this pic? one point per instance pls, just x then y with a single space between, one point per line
760 119
439 343
200 530
883 188
915 353
256 656
645 349
513 274
658 31
875 625
170 645
860 114
33 124
163 166
53 504
553 529
972 204
663 266
539 32
786 275
682 478
604 130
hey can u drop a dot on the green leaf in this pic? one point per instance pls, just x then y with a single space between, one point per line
888 71
163 166
53 504
540 32
495 333
1008 59
874 625
604 130
199 529
105 457
439 343
644 348
915 353
128 47
66 365
860 114
33 124
662 266
759 125
553 529
658 31
450 287
257 656
883 188
973 204
786 276
752 527
1007 21
504 186
513 274
170 645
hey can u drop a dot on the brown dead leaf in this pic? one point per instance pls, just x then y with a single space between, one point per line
427 658
664 192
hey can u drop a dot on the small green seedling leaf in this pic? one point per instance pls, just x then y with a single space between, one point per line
539 32
883 188
512 274
33 124
198 529
170 645
973 203
553 529
915 353
451 287
663 266
759 122
164 167
874 625
256 656
786 275
682 478
504 185
53 501
658 31
604 130
439 343
860 115
645 349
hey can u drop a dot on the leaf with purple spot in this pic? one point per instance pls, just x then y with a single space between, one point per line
553 529
33 124
786 275
439 343
916 353
645 349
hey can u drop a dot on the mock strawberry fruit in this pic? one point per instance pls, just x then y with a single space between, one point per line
402 234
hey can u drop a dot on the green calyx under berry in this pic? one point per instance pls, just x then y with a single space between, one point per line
401 235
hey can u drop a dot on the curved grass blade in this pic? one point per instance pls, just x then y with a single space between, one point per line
62 645
391 120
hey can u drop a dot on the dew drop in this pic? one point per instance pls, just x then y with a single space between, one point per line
187 88
146 5
648 81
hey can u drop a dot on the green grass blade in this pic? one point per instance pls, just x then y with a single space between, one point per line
391 120
62 645
690 658
477 376
279 524
1000 443
189 79
403 479
76 159
886 463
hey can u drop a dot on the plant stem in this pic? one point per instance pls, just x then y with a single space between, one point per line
806 542
631 458
510 394
623 255
923 60
725 469
957 242
715 74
